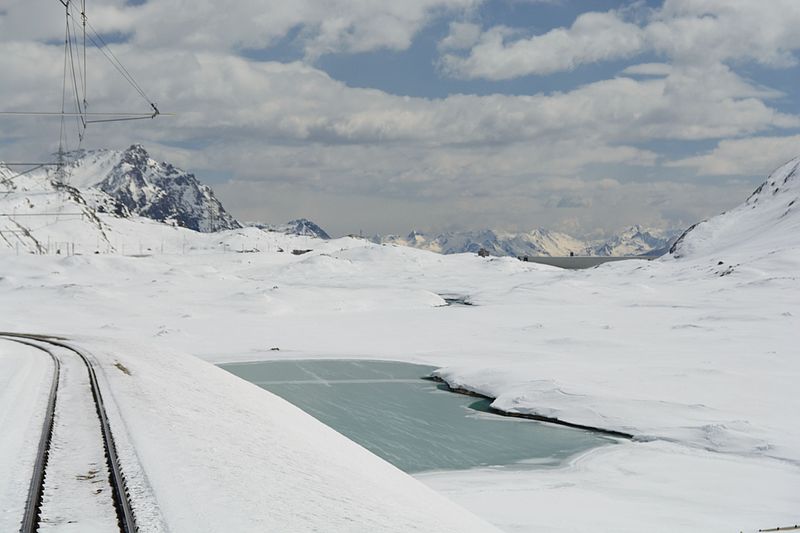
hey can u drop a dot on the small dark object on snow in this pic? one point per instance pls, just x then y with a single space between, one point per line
483 252
300 252
275 349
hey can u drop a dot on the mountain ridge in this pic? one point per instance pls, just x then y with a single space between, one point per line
633 241
155 190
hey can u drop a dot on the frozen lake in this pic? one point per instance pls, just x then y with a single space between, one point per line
413 423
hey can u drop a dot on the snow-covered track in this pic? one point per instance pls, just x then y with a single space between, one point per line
32 519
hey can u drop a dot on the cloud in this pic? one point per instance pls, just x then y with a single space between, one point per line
753 156
573 202
462 35
696 32
282 130
592 37
290 121
323 26
648 69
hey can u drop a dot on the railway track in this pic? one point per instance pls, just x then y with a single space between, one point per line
76 477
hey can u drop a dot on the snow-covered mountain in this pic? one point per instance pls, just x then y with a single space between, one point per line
636 240
766 224
301 227
148 188
126 202
539 242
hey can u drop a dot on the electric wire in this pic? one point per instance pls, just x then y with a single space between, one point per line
75 71
104 48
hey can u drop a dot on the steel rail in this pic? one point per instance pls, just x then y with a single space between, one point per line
122 504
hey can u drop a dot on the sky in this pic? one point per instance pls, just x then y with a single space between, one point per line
382 117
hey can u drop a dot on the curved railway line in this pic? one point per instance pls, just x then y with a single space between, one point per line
32 519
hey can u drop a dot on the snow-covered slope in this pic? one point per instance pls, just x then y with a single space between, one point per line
699 366
152 189
767 223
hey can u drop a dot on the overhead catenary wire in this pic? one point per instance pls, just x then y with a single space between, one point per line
70 114
94 37
37 165
100 43
75 76
23 173
75 80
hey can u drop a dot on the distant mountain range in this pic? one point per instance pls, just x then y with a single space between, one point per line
633 241
127 183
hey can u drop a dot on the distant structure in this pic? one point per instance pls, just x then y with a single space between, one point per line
483 252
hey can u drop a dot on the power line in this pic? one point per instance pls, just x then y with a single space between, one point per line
37 165
39 214
70 114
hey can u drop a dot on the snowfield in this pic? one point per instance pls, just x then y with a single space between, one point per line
695 354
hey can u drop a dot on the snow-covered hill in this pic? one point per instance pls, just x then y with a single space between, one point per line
632 241
767 223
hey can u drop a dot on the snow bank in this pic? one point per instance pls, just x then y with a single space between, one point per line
221 454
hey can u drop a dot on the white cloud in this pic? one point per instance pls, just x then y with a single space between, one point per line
292 128
698 32
324 26
462 35
592 37
708 31
268 120
648 69
754 156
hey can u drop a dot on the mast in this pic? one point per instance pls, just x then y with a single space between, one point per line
59 179
85 81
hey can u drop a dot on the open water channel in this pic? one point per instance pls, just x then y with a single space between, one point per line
413 423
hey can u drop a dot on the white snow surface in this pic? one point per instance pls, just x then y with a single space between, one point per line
25 378
695 354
